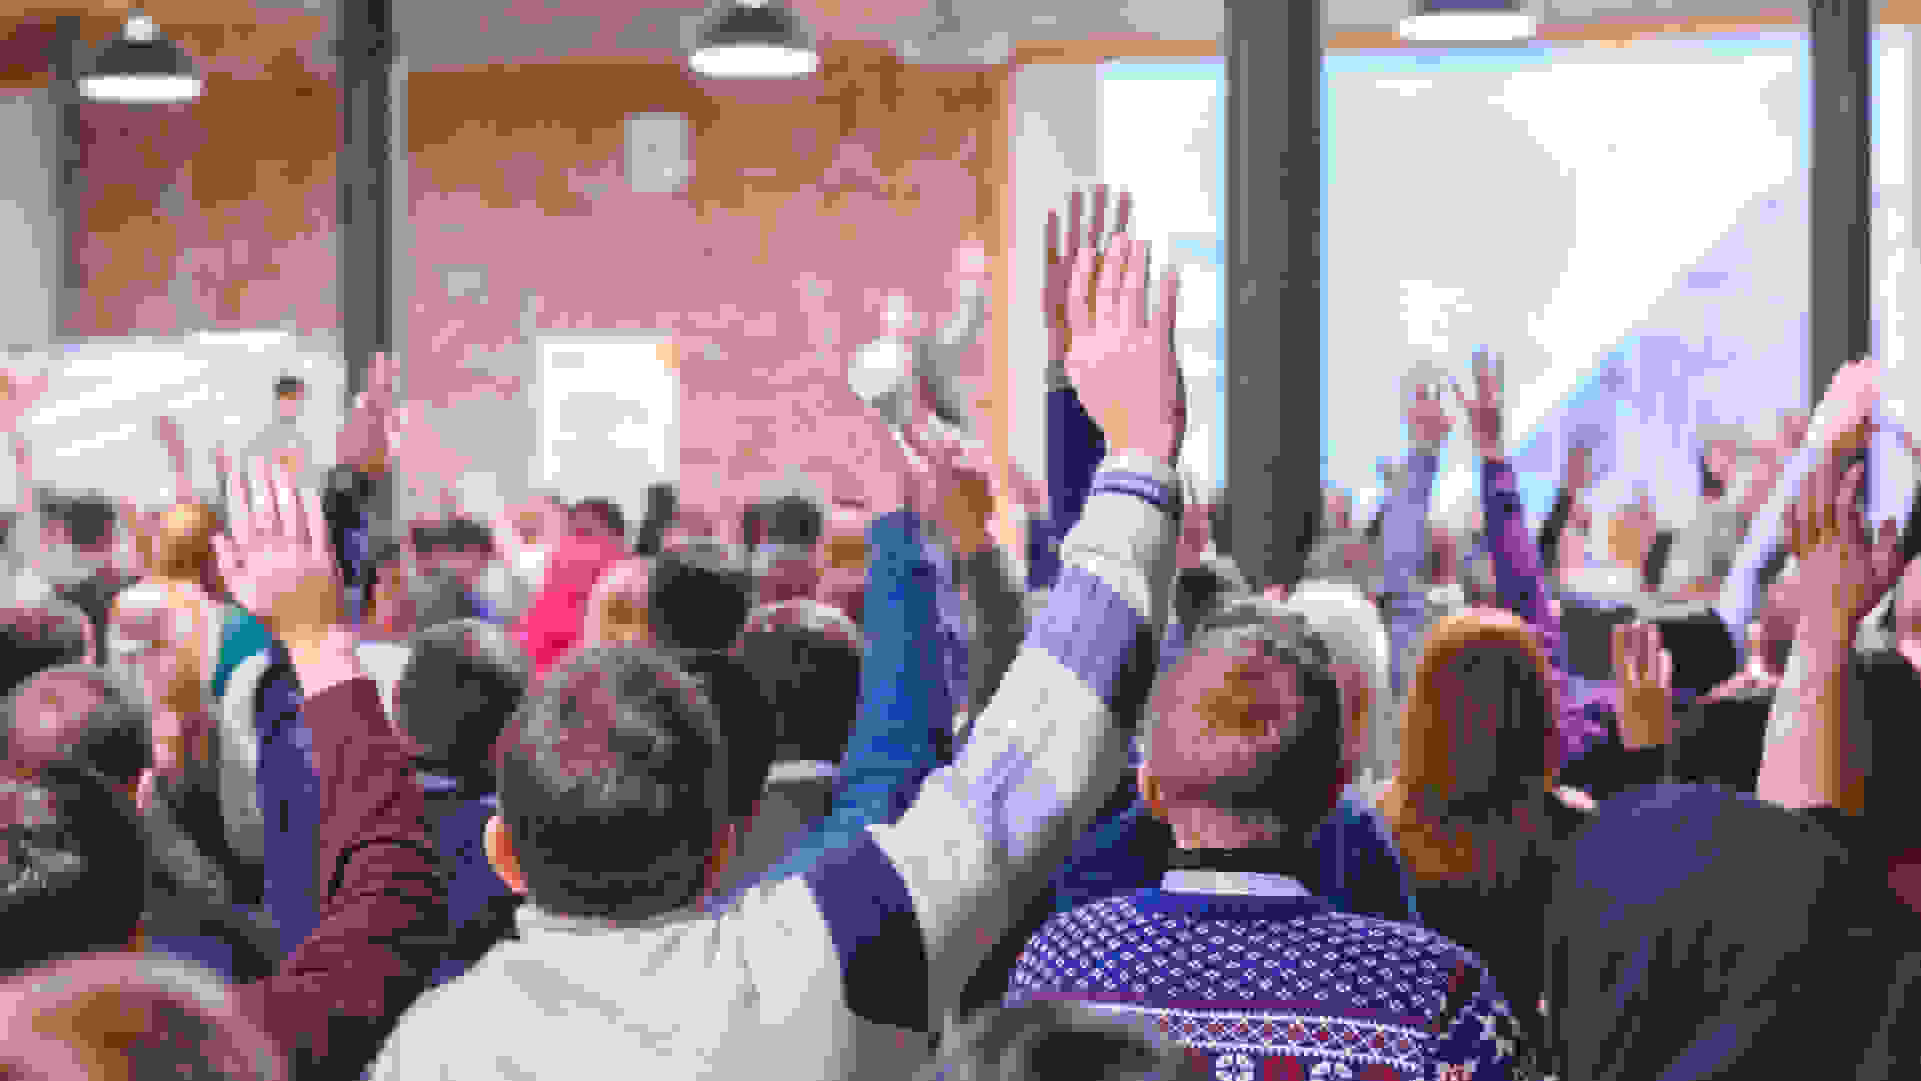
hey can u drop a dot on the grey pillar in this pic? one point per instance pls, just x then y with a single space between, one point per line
1274 75
63 101
365 32
1840 319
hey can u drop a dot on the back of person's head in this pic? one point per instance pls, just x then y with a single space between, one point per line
1198 591
808 656
663 504
746 719
1244 733
600 515
1344 557
76 713
1349 625
615 786
1057 1041
462 685
129 1017
1478 742
441 598
697 598
39 636
73 866
89 521
794 520
180 547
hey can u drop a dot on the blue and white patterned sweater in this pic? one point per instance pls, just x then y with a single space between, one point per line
1262 981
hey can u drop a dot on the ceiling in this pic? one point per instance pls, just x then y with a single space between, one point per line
438 34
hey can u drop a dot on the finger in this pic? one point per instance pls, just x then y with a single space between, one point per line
266 517
1096 227
1138 287
1080 292
1053 237
1133 299
314 524
1618 652
1170 307
1664 670
1124 212
1848 512
1074 244
240 510
1107 304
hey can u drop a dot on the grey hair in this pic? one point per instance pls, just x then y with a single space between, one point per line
1350 627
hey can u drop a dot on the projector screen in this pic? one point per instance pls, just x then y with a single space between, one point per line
609 415
92 431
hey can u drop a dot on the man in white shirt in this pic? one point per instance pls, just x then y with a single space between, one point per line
282 441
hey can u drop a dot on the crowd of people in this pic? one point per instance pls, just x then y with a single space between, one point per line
828 791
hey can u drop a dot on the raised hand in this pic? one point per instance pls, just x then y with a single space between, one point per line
1121 358
1028 494
1829 537
18 393
275 558
1848 403
1063 255
1484 409
1580 468
1644 672
1428 421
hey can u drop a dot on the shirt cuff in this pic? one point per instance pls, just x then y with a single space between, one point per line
1148 479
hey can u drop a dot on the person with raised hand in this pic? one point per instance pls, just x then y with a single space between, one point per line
1810 759
382 915
1519 580
1074 446
1404 529
846 969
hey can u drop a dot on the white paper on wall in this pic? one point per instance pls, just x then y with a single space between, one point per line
659 153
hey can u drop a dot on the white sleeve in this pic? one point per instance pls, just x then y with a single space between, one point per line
934 891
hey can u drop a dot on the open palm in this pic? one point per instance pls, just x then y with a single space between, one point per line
275 556
1121 357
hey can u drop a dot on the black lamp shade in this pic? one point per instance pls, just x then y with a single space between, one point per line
150 71
748 40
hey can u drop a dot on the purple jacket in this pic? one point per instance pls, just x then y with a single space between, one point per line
1521 585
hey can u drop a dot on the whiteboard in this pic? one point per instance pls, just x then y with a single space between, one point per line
92 431
609 415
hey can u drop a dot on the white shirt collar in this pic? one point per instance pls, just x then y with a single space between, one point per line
784 772
1233 883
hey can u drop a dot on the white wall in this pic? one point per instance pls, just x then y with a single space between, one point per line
1056 129
29 275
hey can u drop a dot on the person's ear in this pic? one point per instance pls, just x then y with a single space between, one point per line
502 857
1151 794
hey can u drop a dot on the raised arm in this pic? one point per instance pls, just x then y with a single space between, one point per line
1074 440
1849 402
979 840
1811 758
1404 524
382 916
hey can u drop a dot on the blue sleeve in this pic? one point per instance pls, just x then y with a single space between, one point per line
289 791
892 748
1404 538
1043 554
1075 448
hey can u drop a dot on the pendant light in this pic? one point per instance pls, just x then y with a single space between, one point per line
1463 22
140 67
753 39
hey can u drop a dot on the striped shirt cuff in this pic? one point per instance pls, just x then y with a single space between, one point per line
1151 481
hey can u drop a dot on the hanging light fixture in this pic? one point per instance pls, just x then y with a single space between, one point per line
1469 22
140 67
753 39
